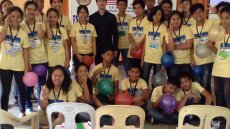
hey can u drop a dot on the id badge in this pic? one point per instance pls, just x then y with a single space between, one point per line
121 33
33 44
153 44
11 52
222 55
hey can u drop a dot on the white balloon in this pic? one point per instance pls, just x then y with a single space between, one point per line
216 33
202 51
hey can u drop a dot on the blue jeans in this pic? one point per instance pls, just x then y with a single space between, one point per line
156 114
29 90
222 91
125 61
205 79
177 69
147 68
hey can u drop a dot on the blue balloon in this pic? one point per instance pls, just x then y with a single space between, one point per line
197 70
167 60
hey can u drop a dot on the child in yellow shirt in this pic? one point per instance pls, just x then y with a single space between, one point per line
40 4
184 8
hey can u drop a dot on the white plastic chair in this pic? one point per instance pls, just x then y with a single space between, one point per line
205 113
70 110
120 113
8 118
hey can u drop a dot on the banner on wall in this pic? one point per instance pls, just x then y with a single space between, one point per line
92 6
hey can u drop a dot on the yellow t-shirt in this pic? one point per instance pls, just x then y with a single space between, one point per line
11 54
200 36
84 36
190 21
221 67
55 48
69 97
135 89
153 43
64 22
123 28
77 89
37 51
196 89
181 56
137 32
156 94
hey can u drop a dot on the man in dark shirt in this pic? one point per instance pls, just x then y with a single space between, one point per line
106 28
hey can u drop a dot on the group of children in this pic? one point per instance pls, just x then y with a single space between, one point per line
29 38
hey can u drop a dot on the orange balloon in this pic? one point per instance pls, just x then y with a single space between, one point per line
138 53
88 60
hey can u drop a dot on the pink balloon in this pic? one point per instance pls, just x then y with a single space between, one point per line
30 79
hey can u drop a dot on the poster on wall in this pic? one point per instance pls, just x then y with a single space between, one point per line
92 6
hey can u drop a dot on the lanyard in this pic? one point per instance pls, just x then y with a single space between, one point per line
138 25
84 29
225 42
186 22
121 23
178 38
133 89
56 98
60 23
30 28
106 75
199 33
156 31
11 34
54 37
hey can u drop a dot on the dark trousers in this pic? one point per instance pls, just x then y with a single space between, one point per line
125 61
222 91
6 80
177 69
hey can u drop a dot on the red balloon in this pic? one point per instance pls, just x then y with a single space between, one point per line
88 60
123 99
138 53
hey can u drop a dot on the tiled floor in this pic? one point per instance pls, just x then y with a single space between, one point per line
14 110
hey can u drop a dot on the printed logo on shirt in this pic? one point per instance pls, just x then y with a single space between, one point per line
50 101
56 44
85 35
105 76
154 39
123 27
33 39
12 47
203 39
179 40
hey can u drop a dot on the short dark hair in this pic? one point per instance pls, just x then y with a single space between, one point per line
30 3
140 2
175 12
107 48
65 86
15 8
222 4
136 66
82 7
190 1
126 1
168 2
51 1
174 81
185 75
195 7
2 2
154 11
225 9
54 10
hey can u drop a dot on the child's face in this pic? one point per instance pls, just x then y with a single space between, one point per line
225 19
166 8
134 74
57 77
5 6
198 15
186 6
30 11
15 18
83 14
138 10
57 4
157 16
170 89
122 5
52 18
108 56
175 21
185 83
40 4
82 72
149 4
101 4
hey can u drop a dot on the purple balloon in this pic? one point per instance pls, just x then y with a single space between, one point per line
168 103
40 70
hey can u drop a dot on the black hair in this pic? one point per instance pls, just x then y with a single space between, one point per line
175 12
51 1
190 1
82 7
225 9
126 1
222 4
140 2
168 2
186 75
196 6
136 66
15 8
107 48
65 86
97 0
30 3
2 2
154 11
54 10
174 81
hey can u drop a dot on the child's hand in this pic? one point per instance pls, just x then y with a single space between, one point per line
170 30
7 20
83 78
138 101
38 17
111 98
97 72
44 93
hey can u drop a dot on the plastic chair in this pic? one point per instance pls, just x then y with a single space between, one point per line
120 113
70 110
206 113
8 118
